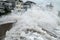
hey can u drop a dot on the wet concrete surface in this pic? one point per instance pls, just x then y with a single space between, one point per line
4 28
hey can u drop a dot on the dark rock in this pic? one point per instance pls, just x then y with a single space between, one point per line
50 6
4 28
6 7
28 4
59 13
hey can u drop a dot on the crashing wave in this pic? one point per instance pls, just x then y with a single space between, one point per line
36 23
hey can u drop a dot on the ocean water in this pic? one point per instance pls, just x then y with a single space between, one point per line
55 2
37 23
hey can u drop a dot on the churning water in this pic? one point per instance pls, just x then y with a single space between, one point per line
38 22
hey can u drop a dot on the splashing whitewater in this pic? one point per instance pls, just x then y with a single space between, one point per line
37 23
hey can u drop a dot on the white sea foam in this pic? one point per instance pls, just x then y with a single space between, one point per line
34 24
